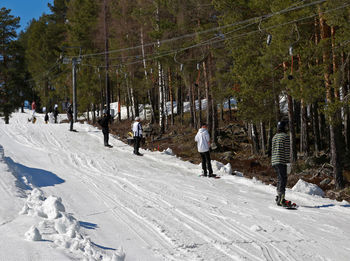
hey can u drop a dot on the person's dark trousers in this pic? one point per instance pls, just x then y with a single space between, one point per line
206 163
71 125
105 136
56 119
281 170
136 144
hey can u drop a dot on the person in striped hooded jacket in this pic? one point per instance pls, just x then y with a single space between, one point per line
280 156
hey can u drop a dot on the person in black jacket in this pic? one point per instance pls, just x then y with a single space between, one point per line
46 117
104 122
55 112
70 116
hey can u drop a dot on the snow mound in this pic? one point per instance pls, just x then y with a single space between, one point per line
169 151
308 188
62 228
238 174
256 228
220 167
33 234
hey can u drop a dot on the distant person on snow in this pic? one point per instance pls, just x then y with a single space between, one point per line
55 112
203 144
137 133
70 116
46 117
280 156
104 122
33 106
33 119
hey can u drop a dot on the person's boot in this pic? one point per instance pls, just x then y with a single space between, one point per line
280 199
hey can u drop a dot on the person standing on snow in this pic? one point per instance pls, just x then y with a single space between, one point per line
203 144
33 106
33 111
70 116
104 121
280 156
46 117
137 133
55 112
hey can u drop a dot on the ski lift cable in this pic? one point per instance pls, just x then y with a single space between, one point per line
254 21
40 75
220 36
288 9
200 44
233 37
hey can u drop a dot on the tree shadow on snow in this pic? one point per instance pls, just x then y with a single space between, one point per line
88 225
327 206
102 247
31 177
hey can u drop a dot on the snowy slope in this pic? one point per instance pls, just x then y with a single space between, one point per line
152 208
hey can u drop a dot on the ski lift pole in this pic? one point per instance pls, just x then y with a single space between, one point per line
75 61
74 81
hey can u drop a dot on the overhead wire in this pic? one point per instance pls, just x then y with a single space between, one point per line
230 38
210 41
266 16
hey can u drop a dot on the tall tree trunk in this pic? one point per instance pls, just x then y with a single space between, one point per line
304 139
179 101
222 111
255 139
94 113
334 146
207 95
146 76
346 82
215 123
171 97
229 110
263 137
161 104
315 125
119 105
199 105
304 134
269 142
88 113
127 105
165 99
293 149
192 110
194 106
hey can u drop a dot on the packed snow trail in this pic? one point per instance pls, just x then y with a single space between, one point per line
157 208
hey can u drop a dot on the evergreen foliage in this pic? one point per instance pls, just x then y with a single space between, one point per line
277 59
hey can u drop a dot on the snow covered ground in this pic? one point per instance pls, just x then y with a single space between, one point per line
64 196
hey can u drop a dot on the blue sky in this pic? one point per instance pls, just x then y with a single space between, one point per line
26 9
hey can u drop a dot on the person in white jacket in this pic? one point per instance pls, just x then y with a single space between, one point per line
137 132
203 144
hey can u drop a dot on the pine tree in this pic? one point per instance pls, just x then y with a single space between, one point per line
10 79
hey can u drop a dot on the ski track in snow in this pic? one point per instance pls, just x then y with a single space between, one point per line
166 208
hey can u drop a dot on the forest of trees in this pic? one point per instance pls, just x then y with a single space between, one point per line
266 54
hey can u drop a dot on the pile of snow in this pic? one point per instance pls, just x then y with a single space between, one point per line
238 173
169 151
256 228
308 188
61 228
220 167
33 234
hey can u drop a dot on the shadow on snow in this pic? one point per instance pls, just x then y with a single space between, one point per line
88 225
30 177
327 206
